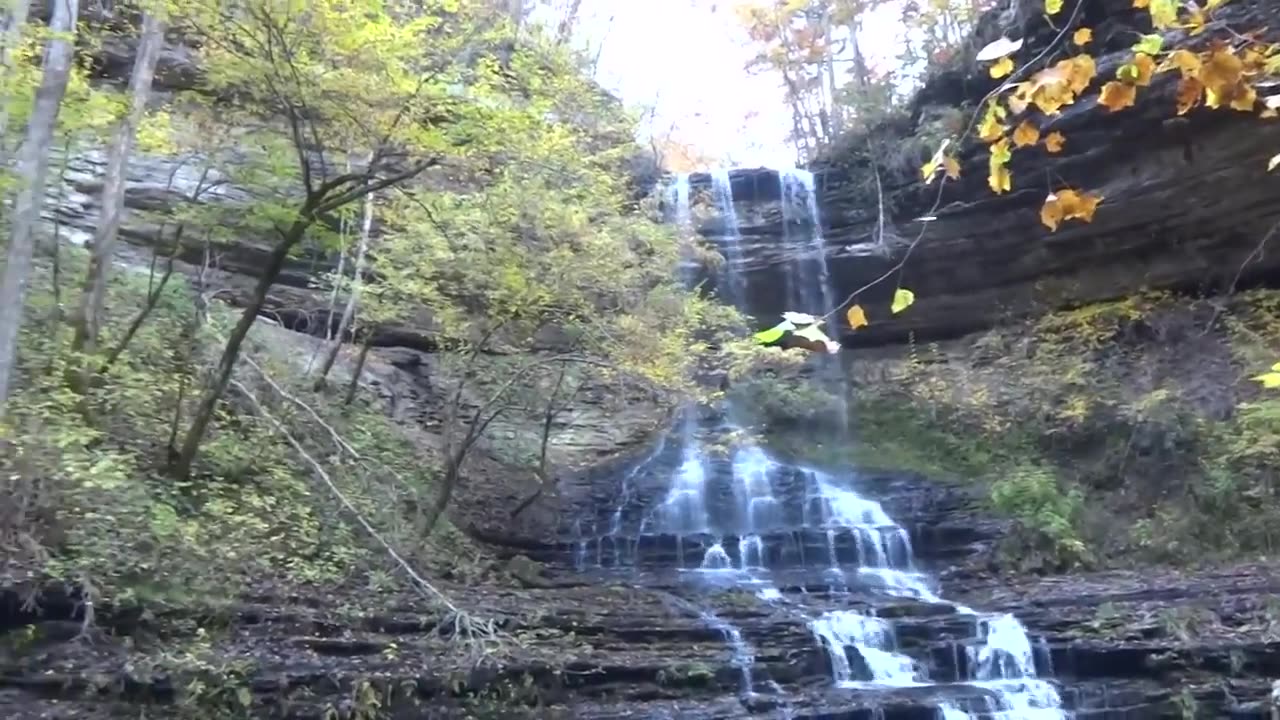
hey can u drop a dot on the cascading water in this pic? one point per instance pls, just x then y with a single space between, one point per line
733 515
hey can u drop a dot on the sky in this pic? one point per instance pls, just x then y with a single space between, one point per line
686 59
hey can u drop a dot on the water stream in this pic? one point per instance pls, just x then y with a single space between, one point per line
735 516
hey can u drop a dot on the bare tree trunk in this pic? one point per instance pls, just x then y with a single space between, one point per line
33 167
353 298
181 466
354 384
11 23
88 318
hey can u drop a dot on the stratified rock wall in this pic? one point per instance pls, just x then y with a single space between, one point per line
1187 200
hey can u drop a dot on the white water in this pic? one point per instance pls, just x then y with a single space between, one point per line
863 543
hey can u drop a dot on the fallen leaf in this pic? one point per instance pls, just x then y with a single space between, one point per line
1054 141
1000 48
857 317
1117 96
1082 37
991 129
1141 3
1003 67
1026 134
1052 7
1051 213
1164 13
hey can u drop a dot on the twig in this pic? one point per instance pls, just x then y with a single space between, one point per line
1256 252
419 582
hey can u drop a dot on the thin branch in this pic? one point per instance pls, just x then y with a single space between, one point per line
420 583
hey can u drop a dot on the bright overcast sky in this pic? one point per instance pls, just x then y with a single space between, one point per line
688 58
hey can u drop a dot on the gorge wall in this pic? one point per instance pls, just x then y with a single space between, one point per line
1187 200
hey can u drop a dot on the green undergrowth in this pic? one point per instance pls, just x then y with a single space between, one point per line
84 495
1119 433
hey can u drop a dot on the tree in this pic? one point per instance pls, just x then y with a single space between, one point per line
87 322
33 166
13 19
339 76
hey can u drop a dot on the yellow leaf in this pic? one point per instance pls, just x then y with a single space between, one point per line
1189 92
998 177
1026 134
1117 96
1052 7
1001 68
1051 213
1268 380
990 129
1054 141
1068 205
1222 75
857 317
902 299
1141 3
1146 68
1082 37
1275 162
1187 62
952 167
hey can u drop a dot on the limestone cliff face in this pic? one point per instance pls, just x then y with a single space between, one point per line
1188 200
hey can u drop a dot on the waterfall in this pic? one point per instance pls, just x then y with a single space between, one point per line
738 516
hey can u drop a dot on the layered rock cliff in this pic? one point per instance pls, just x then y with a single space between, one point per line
1188 200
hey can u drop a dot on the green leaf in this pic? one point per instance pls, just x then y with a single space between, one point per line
775 333
902 299
1150 44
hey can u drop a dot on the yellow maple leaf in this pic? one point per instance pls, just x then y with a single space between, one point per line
1187 62
1082 37
999 178
1189 92
856 316
991 129
1054 141
1068 204
1117 96
1026 134
1081 70
1002 67
1221 74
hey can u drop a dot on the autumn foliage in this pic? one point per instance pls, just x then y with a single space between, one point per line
1215 69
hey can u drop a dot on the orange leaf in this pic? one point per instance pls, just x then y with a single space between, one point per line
951 167
1141 3
1117 96
1026 134
1054 141
1082 37
856 316
1187 62
1189 92
1068 205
